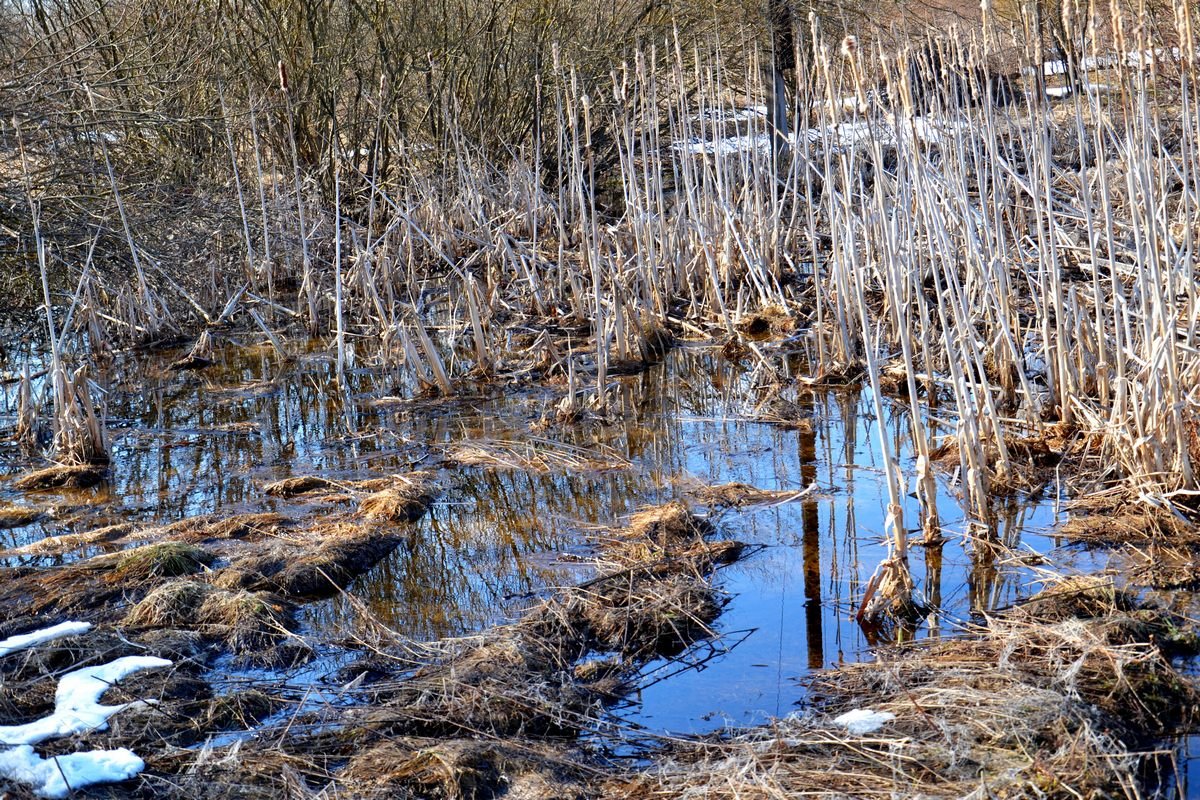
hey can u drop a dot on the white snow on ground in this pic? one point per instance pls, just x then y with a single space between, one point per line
56 777
76 709
846 134
77 702
734 114
864 720
15 644
1061 92
1134 58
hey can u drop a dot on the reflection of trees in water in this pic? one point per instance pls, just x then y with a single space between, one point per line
492 535
476 555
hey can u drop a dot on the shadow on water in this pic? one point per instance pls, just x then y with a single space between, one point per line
499 537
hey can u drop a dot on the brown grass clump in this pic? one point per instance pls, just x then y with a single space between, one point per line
243 710
301 484
254 625
173 604
513 683
643 619
669 522
14 516
405 500
251 623
345 551
58 545
94 584
160 560
1032 459
213 527
62 476
243 771
1076 597
783 413
458 769
1162 565
772 321
1127 525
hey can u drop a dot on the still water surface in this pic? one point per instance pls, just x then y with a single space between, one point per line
499 537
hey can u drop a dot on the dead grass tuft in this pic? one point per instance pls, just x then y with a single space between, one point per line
646 618
254 625
1120 526
459 769
345 550
14 516
60 545
212 527
160 560
405 500
173 604
62 476
770 322
666 523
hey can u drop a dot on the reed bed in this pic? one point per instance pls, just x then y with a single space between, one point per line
1027 261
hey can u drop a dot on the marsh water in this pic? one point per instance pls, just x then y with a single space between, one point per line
501 536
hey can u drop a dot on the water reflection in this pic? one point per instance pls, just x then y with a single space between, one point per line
186 444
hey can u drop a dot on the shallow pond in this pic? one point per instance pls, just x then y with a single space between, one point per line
499 536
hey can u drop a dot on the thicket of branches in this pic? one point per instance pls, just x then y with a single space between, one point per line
160 92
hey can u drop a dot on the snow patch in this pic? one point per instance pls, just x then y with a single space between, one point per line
77 702
24 641
888 131
56 777
76 709
864 720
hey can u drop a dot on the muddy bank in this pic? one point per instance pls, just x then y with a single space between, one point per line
234 581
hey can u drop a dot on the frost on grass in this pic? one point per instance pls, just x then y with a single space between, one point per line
862 721
56 777
14 644
77 705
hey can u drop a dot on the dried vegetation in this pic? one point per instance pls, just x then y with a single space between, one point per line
1050 700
